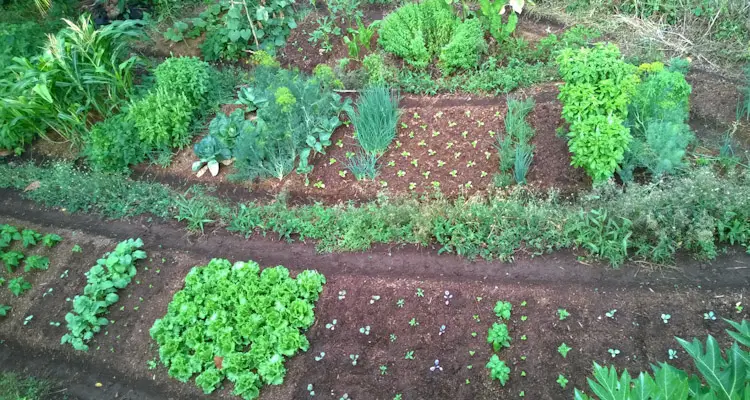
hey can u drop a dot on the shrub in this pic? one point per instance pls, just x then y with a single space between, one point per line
113 144
417 32
465 47
375 119
163 119
598 87
186 75
212 330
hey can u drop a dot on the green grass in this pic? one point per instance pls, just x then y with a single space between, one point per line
375 118
16 387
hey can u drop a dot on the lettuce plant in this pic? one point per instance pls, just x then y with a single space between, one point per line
238 323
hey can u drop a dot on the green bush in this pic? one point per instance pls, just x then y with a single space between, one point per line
113 144
465 47
417 32
163 119
248 319
186 75
375 119
597 90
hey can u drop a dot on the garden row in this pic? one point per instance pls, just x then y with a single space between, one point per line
439 338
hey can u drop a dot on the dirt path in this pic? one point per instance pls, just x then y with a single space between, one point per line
118 359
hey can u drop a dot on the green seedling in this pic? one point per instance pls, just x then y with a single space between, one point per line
564 349
562 381
383 370
393 337
365 330
373 299
562 313
420 292
665 318
672 354
413 322
613 352
354 358
320 356
400 303
611 313
709 316
409 355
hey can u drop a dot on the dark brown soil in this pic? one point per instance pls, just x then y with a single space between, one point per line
118 358
304 55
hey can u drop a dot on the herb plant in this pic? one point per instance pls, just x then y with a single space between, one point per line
51 239
375 118
503 309
498 336
564 349
250 338
498 370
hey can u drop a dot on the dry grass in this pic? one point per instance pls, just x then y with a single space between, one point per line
689 37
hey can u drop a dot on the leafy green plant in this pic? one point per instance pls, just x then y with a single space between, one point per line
51 239
286 130
498 336
111 273
18 286
563 349
718 377
9 233
11 259
498 370
186 75
113 145
4 310
82 70
30 237
36 262
563 314
234 28
464 49
502 309
598 87
562 381
250 338
491 15
375 118
417 32
163 118
657 116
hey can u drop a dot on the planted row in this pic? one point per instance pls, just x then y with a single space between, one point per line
111 273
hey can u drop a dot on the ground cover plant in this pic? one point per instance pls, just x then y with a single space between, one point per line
238 323
111 273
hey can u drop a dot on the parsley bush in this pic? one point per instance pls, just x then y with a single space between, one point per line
111 273
239 318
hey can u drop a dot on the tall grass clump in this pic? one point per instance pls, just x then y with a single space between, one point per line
375 118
